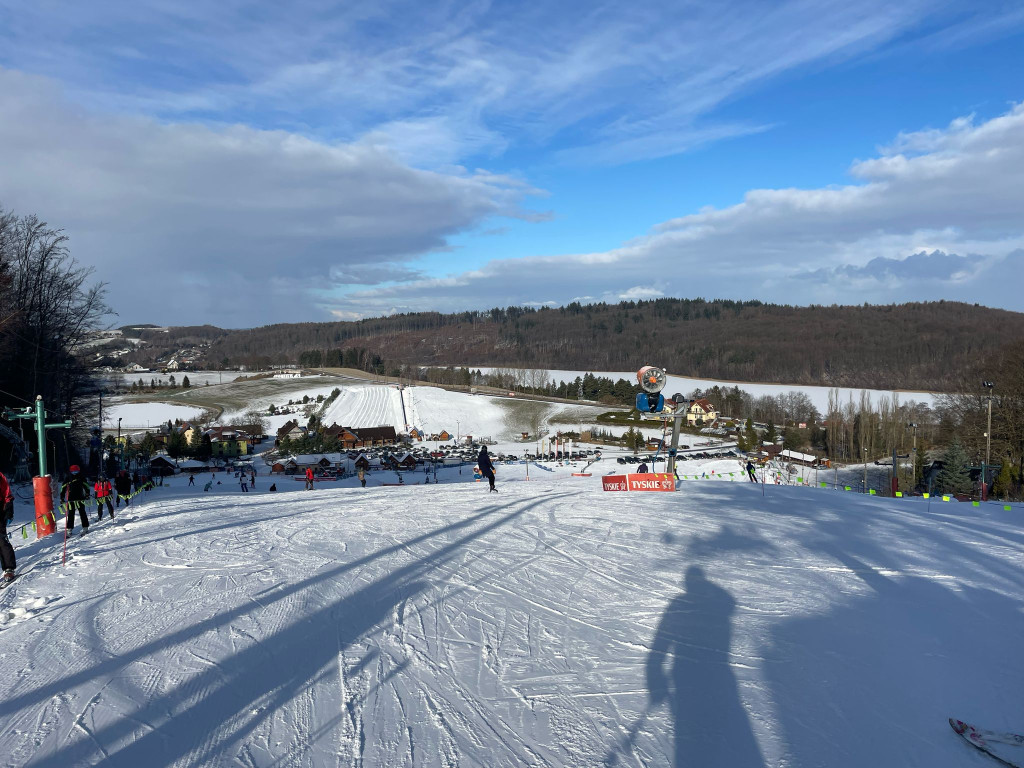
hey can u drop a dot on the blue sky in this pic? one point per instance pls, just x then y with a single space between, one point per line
247 163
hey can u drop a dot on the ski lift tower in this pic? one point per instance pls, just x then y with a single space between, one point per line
45 519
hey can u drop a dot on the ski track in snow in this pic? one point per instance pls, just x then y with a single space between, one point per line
552 625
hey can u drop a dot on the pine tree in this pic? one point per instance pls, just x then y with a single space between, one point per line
195 443
954 477
792 439
769 433
753 441
176 444
185 383
1004 480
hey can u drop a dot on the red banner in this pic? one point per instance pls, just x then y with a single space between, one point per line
650 481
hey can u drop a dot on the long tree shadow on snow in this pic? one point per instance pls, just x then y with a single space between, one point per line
206 717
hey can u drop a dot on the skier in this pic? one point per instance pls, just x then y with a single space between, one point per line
486 468
191 480
75 493
7 559
208 486
750 471
103 493
123 486
243 481
309 478
252 478
642 469
362 476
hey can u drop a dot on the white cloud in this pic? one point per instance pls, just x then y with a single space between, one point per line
960 192
205 210
438 82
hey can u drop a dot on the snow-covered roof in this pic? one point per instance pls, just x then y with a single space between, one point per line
797 456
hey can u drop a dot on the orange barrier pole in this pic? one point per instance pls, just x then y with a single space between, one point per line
46 522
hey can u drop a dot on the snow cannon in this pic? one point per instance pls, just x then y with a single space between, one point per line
652 380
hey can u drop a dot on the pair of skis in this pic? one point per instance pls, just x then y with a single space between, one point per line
1007 748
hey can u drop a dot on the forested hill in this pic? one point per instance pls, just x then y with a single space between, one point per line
908 346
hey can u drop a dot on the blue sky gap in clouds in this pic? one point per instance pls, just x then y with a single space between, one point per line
344 162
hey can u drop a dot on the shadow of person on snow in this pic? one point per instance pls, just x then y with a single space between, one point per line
688 668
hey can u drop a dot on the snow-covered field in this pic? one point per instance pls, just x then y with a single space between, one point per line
195 378
685 385
434 410
551 624
147 414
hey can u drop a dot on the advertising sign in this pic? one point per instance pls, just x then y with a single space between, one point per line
649 481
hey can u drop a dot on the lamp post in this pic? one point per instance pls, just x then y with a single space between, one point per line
988 442
865 470
120 449
913 456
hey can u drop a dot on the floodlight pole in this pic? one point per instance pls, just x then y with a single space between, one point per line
988 442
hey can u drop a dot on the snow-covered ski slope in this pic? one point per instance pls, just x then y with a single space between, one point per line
434 410
369 405
551 624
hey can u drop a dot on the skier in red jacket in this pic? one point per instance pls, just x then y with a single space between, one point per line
6 513
103 493
309 478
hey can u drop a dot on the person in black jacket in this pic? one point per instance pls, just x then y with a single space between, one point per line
75 493
486 468
123 486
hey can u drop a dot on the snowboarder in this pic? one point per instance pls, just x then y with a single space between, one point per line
191 479
75 493
103 493
362 476
7 559
309 478
750 471
486 468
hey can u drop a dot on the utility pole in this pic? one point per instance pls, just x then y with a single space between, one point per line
43 492
865 470
988 442
913 456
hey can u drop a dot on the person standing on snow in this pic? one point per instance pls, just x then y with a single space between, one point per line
75 493
244 482
750 471
7 559
123 486
486 468
362 476
103 493
191 479
309 478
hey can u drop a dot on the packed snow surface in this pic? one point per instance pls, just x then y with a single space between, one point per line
550 624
